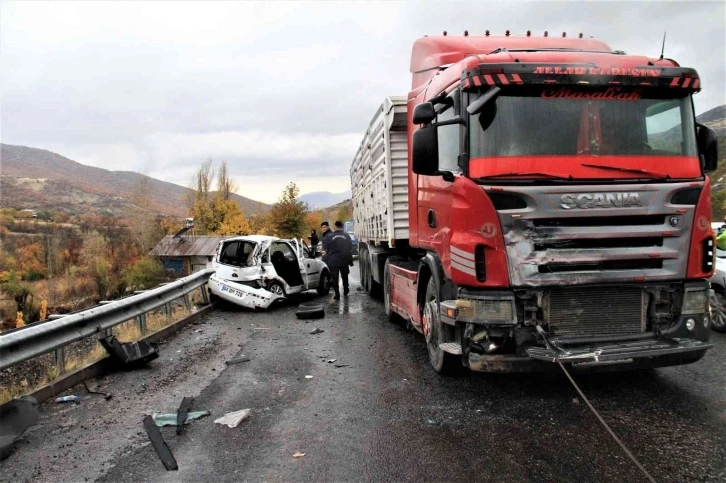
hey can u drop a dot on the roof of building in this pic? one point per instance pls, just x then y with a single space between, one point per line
187 246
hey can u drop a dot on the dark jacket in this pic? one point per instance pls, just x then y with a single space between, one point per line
325 240
314 241
339 249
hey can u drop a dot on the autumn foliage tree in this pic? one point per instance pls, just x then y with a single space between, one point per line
214 212
288 215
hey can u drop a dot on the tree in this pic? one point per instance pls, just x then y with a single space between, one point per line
225 185
143 274
233 221
287 216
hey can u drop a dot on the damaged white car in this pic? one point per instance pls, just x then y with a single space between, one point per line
255 271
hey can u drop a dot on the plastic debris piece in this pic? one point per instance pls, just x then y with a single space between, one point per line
65 399
310 310
316 331
157 440
238 360
170 419
233 419
298 455
308 377
16 417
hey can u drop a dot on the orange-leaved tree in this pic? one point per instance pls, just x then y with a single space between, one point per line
288 215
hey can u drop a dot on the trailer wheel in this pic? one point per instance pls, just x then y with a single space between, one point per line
392 316
442 362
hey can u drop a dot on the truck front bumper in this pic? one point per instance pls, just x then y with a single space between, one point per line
643 354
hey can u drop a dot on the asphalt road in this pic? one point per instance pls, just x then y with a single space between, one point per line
378 413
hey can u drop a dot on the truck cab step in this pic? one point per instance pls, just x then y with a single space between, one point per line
451 348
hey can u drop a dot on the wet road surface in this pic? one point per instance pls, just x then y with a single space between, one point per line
378 413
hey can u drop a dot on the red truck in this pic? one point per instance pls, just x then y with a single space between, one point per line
540 198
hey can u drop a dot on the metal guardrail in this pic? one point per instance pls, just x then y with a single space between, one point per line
40 338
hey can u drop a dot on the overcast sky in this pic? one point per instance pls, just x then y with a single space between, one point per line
282 91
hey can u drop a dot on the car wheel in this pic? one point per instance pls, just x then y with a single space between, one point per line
324 284
434 332
276 288
718 310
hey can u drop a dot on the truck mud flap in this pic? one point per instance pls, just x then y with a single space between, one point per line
621 353
242 295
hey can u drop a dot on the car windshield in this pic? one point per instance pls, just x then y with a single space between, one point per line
565 120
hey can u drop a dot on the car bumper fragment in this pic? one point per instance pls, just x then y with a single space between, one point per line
242 295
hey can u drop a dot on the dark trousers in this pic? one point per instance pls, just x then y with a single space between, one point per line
340 272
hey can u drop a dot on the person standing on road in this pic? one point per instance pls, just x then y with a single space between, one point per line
325 228
313 244
340 258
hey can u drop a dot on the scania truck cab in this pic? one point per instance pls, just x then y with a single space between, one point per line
557 205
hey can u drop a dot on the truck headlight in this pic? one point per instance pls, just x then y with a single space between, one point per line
695 302
487 311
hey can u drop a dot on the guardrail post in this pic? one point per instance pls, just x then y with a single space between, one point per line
141 320
205 294
187 304
60 359
167 310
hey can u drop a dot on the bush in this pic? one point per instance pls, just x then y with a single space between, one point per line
143 274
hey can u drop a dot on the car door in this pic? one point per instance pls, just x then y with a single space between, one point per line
302 262
233 261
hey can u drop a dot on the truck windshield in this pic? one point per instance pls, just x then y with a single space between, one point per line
565 120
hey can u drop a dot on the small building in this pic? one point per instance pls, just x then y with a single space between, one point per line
185 255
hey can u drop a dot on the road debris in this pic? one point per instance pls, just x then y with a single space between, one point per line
65 399
170 419
131 353
16 417
233 419
238 360
316 331
157 441
298 455
330 361
105 395
308 377
342 365
310 310
181 414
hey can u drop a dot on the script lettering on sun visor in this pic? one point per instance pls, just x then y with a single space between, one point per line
609 71
610 94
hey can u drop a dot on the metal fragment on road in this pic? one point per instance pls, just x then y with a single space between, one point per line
316 331
169 419
330 361
181 415
157 441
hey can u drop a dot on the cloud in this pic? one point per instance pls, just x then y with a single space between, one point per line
282 90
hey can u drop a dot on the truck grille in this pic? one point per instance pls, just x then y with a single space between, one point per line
596 311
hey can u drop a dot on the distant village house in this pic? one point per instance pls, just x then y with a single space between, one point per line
186 255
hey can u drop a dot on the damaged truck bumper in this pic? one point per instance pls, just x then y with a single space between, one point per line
242 295
644 354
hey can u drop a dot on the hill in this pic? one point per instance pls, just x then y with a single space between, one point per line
321 199
36 178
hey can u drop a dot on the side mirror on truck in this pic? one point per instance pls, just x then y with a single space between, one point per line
707 148
425 150
424 113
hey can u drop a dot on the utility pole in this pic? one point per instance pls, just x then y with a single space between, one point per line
49 250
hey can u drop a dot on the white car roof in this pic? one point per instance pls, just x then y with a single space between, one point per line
253 238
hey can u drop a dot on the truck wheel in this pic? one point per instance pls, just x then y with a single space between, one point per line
442 362
718 310
374 288
392 316
324 284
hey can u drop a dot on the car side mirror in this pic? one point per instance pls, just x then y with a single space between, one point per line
707 148
426 151
424 113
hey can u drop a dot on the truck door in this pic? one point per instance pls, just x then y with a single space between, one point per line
434 193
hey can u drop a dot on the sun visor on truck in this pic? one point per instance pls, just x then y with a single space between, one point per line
520 73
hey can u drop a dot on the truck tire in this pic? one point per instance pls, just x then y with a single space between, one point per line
434 332
718 309
373 287
392 316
